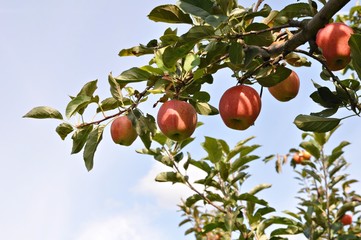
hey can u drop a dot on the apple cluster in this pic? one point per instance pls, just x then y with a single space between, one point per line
240 105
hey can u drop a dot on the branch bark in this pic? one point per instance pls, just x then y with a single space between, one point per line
310 30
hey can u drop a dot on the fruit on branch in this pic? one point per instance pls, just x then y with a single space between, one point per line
306 155
301 156
177 119
122 131
333 41
346 219
239 107
287 89
297 158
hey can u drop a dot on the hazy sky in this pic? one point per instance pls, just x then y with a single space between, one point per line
49 50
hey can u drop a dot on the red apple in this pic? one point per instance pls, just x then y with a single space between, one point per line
177 119
287 89
239 107
333 40
346 219
122 131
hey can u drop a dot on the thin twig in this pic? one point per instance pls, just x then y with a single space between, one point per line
134 105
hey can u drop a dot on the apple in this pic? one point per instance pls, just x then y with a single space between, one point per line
239 107
333 41
297 158
287 89
306 155
122 131
177 119
346 219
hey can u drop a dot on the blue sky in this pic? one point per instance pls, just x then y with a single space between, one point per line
49 50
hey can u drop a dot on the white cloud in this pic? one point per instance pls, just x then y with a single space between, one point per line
135 225
166 194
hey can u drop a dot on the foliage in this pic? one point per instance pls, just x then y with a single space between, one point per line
325 194
259 45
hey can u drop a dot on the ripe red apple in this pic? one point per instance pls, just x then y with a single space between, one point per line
333 40
239 107
346 219
122 131
287 89
177 119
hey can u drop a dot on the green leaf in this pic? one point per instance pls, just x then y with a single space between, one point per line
349 206
190 201
204 108
80 137
241 161
236 53
355 44
313 174
133 75
64 129
296 10
91 146
108 104
326 113
191 61
311 148
201 96
197 8
145 126
264 12
262 39
196 34
115 88
172 54
328 96
88 89
259 188
201 165
214 149
251 198
277 75
136 51
43 112
316 124
173 177
169 14
76 104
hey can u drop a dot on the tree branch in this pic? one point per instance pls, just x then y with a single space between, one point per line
310 29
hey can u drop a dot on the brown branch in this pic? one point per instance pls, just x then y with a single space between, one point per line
310 29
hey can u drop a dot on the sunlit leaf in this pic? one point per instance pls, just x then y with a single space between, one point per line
77 104
214 149
80 137
89 88
64 129
291 11
43 112
173 177
204 108
115 88
315 123
169 14
91 146
197 8
133 75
